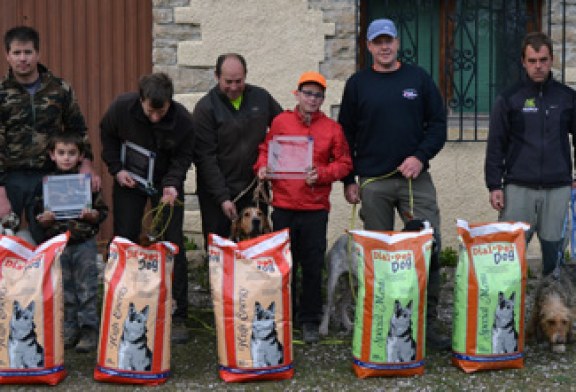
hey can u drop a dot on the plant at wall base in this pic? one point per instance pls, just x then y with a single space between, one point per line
448 257
190 244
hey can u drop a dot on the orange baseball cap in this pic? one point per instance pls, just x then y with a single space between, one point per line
312 77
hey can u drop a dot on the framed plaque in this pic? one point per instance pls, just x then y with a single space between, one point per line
67 195
139 162
290 157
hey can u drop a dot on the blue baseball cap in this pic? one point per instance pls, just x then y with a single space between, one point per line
381 27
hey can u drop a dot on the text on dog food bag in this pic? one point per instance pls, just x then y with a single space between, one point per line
489 291
250 285
389 331
31 311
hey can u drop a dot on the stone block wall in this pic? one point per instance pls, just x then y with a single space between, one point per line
282 38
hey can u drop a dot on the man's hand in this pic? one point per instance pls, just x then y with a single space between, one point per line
46 219
125 179
5 206
87 168
262 173
352 193
90 215
169 195
411 167
229 209
497 199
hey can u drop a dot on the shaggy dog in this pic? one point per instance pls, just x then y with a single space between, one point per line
554 310
251 223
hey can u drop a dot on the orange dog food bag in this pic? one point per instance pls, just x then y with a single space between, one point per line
134 345
31 311
489 293
389 326
250 284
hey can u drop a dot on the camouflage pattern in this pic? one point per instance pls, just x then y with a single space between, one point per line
26 121
79 275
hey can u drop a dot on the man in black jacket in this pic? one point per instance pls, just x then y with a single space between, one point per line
230 121
528 164
151 124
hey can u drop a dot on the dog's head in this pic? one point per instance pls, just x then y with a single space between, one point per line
251 223
135 323
22 321
401 320
504 314
555 320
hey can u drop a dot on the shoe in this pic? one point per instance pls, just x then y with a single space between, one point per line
71 337
180 333
88 341
436 339
310 333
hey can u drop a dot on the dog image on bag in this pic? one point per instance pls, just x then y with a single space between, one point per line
554 311
251 223
134 353
504 334
23 347
265 348
400 345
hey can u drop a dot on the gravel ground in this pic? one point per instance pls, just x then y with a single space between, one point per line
327 366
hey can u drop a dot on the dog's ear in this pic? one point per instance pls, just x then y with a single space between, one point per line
272 307
235 229
131 307
30 307
16 306
500 297
145 311
409 305
266 227
512 296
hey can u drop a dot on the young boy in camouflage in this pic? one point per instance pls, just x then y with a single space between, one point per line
78 260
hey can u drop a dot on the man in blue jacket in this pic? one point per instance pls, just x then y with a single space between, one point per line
395 123
528 165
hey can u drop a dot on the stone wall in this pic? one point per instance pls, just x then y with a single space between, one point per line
282 38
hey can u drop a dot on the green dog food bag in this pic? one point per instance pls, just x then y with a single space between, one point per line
390 320
489 292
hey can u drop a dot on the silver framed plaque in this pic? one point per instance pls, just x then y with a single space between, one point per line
139 162
67 195
290 157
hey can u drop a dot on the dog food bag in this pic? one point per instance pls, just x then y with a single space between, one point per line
250 284
31 312
134 346
489 292
389 325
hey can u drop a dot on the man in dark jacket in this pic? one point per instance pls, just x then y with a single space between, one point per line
528 163
395 123
151 125
230 122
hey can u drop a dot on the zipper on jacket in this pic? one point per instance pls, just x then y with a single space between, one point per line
543 118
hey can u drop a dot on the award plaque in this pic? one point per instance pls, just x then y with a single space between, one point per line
290 157
139 162
67 195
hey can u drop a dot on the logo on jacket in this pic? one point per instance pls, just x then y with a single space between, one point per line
530 106
410 93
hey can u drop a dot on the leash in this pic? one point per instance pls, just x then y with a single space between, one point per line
353 221
244 191
158 225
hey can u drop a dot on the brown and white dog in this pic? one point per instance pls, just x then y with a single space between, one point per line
251 223
554 310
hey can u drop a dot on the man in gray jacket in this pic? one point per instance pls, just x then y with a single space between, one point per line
528 164
230 122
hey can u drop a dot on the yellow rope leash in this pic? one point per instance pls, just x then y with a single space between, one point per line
158 226
353 221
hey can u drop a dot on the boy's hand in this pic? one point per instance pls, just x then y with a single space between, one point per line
46 219
125 179
89 215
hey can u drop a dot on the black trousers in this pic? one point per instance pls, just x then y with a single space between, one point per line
308 244
129 205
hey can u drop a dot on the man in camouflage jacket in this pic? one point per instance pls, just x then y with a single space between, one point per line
34 104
